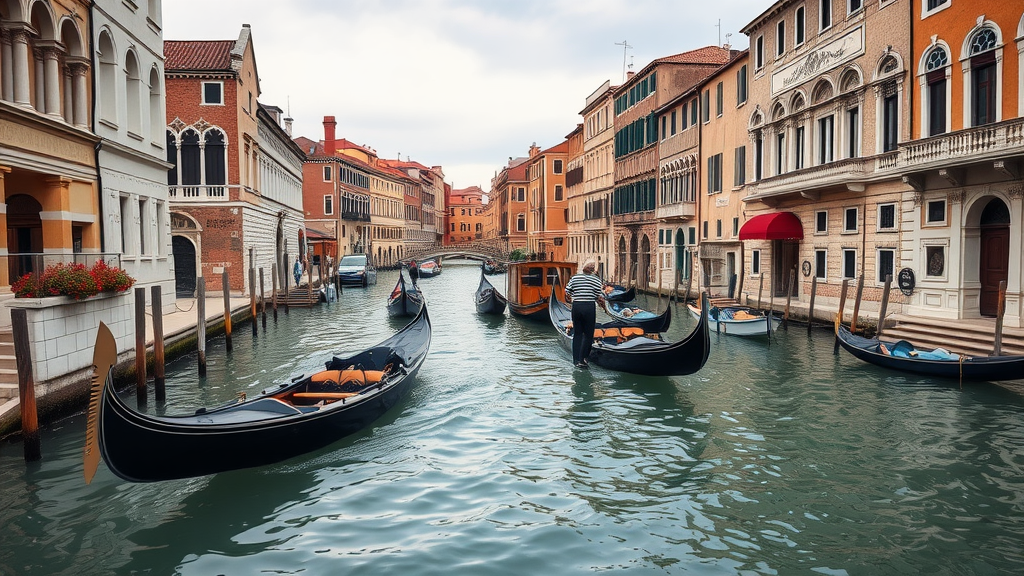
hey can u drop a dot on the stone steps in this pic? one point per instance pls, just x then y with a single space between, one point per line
974 337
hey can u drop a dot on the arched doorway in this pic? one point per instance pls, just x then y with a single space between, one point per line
620 259
633 274
994 264
184 266
644 269
24 234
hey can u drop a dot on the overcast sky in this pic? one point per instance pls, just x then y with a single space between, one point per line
463 84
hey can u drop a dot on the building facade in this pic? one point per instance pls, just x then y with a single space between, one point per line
466 219
508 193
545 218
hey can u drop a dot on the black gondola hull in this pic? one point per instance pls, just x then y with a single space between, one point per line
982 368
144 448
659 323
404 301
487 299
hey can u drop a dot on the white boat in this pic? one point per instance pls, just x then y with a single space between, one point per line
737 320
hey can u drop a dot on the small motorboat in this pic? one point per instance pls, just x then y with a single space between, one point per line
429 269
530 282
738 320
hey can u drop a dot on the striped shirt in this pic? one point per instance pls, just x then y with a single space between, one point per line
585 288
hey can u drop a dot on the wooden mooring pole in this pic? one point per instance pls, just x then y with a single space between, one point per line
760 290
201 323
26 385
273 288
810 309
997 350
884 305
856 303
252 296
140 346
263 303
789 297
839 314
158 343
225 287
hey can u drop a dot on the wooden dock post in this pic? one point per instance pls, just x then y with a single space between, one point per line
884 305
839 314
201 323
789 297
225 286
140 345
675 286
158 343
760 290
810 309
26 385
286 279
263 303
856 303
658 309
309 285
252 296
997 350
771 307
273 288
689 282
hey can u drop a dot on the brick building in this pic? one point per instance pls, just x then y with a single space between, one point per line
545 219
466 219
508 194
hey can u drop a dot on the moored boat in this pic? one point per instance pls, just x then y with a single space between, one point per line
902 355
429 269
630 315
737 320
283 421
487 299
529 284
614 293
631 349
405 299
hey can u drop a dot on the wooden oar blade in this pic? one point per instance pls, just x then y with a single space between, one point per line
103 359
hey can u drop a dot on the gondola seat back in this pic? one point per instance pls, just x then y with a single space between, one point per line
340 380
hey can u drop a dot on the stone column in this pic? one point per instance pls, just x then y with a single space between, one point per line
80 93
51 90
68 100
39 103
19 67
6 66
55 202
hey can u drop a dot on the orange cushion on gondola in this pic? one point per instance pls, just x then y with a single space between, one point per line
612 333
598 333
630 331
361 377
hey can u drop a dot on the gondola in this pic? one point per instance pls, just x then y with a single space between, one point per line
901 355
619 294
488 300
530 282
287 420
629 349
429 269
737 320
405 299
635 316
491 267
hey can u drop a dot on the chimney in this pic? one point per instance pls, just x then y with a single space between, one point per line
288 126
329 139
630 74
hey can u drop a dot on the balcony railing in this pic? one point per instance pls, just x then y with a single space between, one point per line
971 144
199 193
355 216
835 173
677 210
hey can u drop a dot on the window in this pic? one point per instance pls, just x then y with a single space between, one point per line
935 212
328 204
886 217
558 192
328 173
799 150
693 112
143 224
741 85
521 223
983 88
558 166
852 132
890 121
706 105
215 160
821 222
758 155
664 131
935 4
886 264
673 123
935 261
849 263
718 228
759 53
125 219
854 6
820 261
213 93
825 133
780 38
936 66
850 220
718 100
755 262
715 173
735 227
798 26
825 15
520 194
740 166
705 229
780 153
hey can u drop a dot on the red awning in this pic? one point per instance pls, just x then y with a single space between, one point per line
776 226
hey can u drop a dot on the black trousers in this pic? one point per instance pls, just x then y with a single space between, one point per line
584 316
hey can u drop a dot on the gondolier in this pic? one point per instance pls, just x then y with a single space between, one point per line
586 290
414 272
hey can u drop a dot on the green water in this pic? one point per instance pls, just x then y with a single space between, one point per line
780 459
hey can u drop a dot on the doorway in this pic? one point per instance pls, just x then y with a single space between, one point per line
24 235
994 265
184 267
785 257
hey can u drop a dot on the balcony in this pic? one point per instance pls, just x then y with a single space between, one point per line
850 173
355 216
199 193
676 210
983 143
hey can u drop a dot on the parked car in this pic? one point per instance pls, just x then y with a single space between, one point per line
355 270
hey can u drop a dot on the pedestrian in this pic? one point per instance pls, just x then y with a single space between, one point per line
297 271
414 272
585 290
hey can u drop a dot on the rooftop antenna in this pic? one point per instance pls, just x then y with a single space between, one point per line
625 46
728 35
719 26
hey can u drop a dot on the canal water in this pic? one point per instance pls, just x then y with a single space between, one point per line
774 459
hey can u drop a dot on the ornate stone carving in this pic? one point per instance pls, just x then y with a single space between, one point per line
177 124
201 125
957 196
1016 192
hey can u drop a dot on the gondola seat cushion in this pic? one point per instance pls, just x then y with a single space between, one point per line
345 380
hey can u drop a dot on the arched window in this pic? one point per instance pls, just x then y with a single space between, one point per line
215 156
172 158
190 169
107 85
935 93
984 81
156 104
133 93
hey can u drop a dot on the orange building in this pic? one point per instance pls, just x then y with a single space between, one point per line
545 220
508 194
466 218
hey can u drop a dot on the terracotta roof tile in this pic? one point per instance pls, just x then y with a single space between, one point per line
198 54
705 55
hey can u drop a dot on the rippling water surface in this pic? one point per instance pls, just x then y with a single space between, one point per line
780 459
